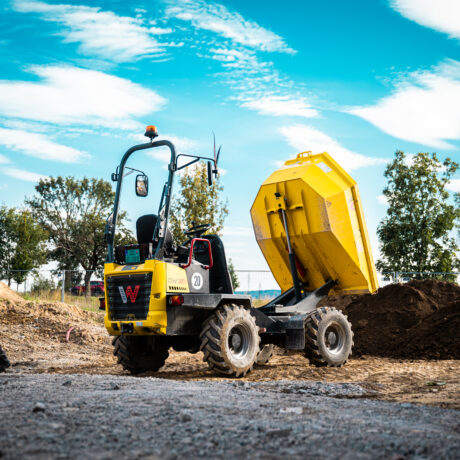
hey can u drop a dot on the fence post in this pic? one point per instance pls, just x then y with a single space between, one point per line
63 286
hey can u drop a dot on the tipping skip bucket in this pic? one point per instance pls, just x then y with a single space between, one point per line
325 222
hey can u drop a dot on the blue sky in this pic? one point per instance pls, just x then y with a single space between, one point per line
358 79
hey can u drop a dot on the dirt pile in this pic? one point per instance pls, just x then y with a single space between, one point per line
48 334
419 319
7 294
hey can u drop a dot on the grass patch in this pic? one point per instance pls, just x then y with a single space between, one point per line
86 303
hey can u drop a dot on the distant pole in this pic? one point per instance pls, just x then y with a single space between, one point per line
63 286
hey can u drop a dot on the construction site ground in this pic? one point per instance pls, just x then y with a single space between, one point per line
56 338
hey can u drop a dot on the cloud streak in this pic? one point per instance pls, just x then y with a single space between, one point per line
217 18
306 138
22 174
453 185
39 146
71 95
100 33
440 15
241 46
281 105
423 108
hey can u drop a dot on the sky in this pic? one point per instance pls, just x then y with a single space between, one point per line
358 79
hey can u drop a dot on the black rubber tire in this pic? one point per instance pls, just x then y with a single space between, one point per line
4 363
138 353
230 341
265 353
328 337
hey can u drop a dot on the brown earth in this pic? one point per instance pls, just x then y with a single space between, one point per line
419 319
34 337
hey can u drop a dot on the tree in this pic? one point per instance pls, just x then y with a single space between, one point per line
416 234
22 244
233 275
74 213
197 203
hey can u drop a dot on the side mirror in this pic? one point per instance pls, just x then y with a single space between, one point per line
142 185
210 172
114 177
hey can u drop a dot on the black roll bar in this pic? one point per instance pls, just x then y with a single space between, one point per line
166 197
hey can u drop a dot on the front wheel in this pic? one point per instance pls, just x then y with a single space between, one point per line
230 341
328 337
138 353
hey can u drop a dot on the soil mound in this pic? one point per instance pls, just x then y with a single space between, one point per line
419 319
48 334
7 294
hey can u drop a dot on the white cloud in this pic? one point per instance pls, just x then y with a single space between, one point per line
71 95
230 25
231 58
454 185
100 33
440 15
306 138
160 30
238 231
258 85
3 159
237 44
424 107
383 200
163 154
39 146
181 144
281 105
23 175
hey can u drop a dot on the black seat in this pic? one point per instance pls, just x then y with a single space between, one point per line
145 226
219 277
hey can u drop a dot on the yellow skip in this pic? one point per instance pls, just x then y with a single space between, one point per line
325 222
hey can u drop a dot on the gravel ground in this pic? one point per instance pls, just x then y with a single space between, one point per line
104 416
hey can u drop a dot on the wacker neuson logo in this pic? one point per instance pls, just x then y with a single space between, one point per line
132 295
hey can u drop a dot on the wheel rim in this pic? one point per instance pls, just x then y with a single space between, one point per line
334 338
239 340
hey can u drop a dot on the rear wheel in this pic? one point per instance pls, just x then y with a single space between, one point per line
328 337
230 341
138 353
4 363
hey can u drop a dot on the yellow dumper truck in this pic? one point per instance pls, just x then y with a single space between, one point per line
309 223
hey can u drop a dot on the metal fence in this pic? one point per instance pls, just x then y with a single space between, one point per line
69 285
63 285
260 284
404 277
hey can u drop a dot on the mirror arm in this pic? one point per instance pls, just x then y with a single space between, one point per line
188 164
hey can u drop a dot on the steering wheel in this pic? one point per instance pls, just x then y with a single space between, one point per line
197 230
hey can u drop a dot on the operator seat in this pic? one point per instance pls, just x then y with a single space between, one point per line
219 276
145 226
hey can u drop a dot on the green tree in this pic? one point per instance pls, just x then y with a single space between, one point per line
74 213
416 234
233 275
22 244
197 202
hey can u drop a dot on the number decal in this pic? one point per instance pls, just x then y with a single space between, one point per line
197 281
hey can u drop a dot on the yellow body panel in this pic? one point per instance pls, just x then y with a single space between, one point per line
326 225
176 279
164 277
